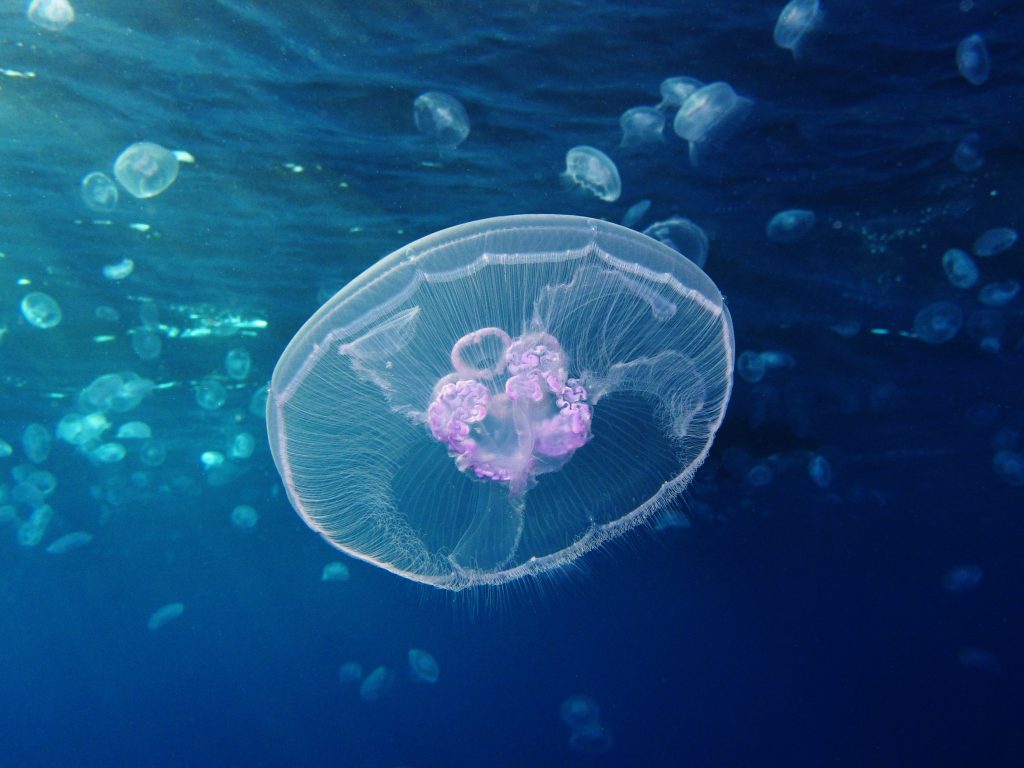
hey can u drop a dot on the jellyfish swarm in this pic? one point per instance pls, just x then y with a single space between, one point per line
496 399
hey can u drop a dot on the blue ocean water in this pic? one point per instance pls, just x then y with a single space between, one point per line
789 624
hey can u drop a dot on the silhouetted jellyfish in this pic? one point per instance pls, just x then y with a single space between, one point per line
641 126
795 20
972 59
960 269
994 241
41 310
594 171
939 322
676 90
146 169
496 399
99 193
681 234
441 118
790 226
54 15
423 666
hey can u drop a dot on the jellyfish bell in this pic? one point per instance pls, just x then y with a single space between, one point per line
495 400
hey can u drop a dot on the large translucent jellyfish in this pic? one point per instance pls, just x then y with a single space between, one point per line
441 118
497 399
795 20
594 171
146 169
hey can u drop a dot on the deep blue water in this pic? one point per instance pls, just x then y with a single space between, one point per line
789 625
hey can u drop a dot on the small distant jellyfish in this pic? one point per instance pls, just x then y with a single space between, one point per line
1009 465
710 112
641 126
210 394
237 363
441 118
242 446
960 269
350 672
146 344
377 684
335 571
153 453
258 401
36 441
676 90
938 323
5 449
968 155
146 169
795 21
759 476
32 531
41 311
423 666
594 171
790 226
243 516
134 430
163 615
119 270
636 212
999 294
579 710
69 542
750 366
962 578
99 192
211 459
108 453
53 15
994 241
972 59
681 234
820 471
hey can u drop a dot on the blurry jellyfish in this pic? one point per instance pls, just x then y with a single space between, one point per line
81 430
423 666
972 59
163 615
795 20
244 516
242 446
211 459
376 684
681 234
820 471
592 738
962 578
999 294
146 169
5 449
99 192
119 270
759 476
36 442
258 401
750 366
790 226
146 344
210 394
987 327
676 90
153 453
69 542
54 15
994 241
32 531
594 171
108 453
982 660
635 213
968 155
237 363
579 710
1009 465
334 571
960 268
641 126
939 322
149 314
708 113
45 481
41 310
455 481
107 314
349 672
441 118
134 430
773 359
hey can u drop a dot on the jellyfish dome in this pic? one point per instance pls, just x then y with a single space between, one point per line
496 399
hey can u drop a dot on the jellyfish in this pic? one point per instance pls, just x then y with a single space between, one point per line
999 293
938 322
376 684
710 112
244 516
99 193
994 241
579 710
210 394
335 571
146 169
635 213
36 442
164 614
790 226
497 399
681 234
441 118
676 90
349 672
960 269
119 270
972 59
41 310
53 15
968 155
795 20
69 542
423 666
237 363
594 171
641 126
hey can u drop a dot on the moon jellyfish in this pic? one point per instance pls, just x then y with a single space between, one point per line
237 362
99 193
119 270
960 269
210 394
820 471
588 733
994 241
441 118
939 322
54 15
676 90
163 615
579 710
497 399
641 126
681 234
146 169
750 366
591 739
423 666
972 59
36 442
795 21
594 171
41 310
244 516
987 327
790 226
635 213
709 112
335 571
999 294
376 684
968 155
1009 465
146 344
69 542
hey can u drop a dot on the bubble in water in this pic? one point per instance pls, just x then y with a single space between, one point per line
960 269
423 666
36 442
641 126
676 90
237 363
972 59
962 578
210 394
635 213
681 234
99 192
441 118
161 616
146 343
335 571
797 19
349 672
999 294
939 322
54 15
376 684
994 241
146 169
41 310
968 155
594 171
790 226
119 270
244 516
69 542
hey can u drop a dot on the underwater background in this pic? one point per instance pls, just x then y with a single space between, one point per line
867 614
